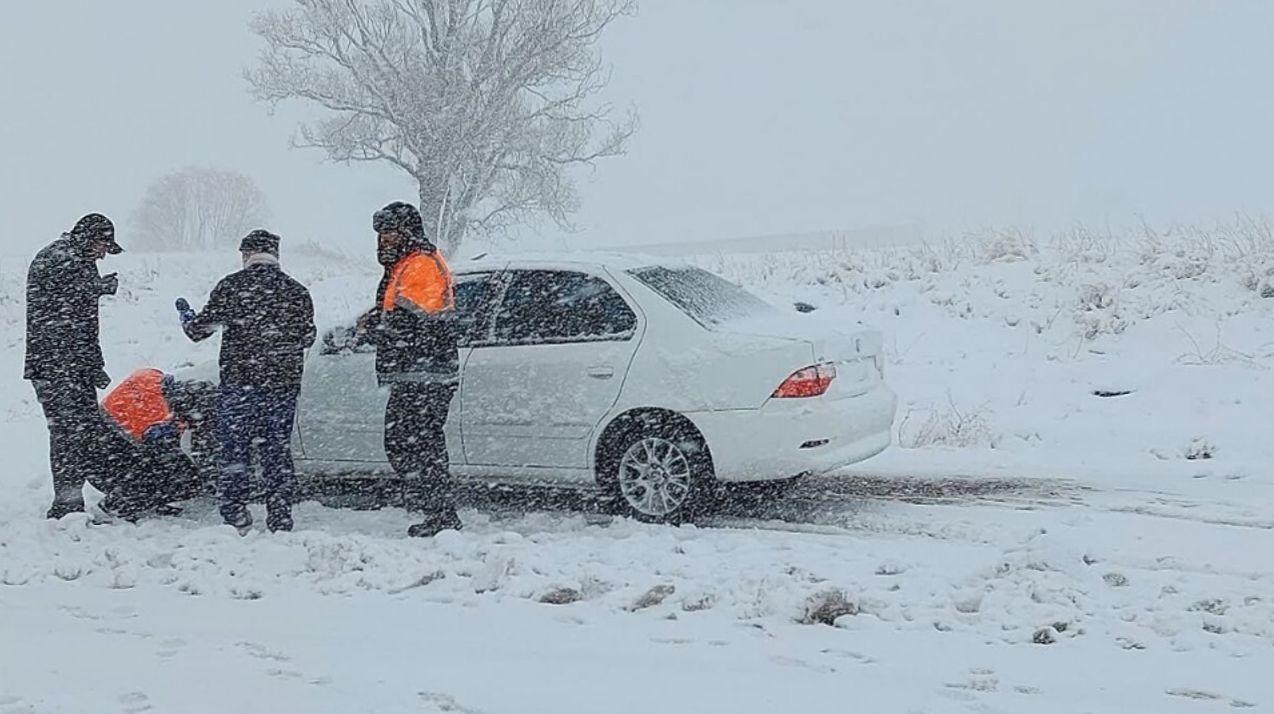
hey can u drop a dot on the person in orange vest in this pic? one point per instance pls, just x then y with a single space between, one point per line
145 468
413 328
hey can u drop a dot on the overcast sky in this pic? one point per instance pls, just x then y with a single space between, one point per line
758 117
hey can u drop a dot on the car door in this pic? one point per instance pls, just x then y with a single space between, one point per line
340 412
561 343
342 409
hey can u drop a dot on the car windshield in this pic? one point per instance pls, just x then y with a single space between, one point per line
710 299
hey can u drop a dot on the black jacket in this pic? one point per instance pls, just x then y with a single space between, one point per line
412 346
63 288
268 320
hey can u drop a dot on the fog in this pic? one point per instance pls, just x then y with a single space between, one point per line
756 118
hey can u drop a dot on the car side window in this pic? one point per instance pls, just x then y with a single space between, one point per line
555 306
475 295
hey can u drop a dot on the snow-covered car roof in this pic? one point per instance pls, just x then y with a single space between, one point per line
609 260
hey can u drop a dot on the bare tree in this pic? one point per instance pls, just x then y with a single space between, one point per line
485 103
198 208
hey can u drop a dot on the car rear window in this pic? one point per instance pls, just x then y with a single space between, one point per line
710 299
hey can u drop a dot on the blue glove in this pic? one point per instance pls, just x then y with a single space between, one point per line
160 433
185 311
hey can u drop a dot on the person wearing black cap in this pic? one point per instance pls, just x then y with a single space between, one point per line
414 332
268 323
64 353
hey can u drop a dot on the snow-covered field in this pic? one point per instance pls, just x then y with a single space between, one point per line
1029 546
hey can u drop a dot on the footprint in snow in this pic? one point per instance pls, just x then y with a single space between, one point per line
797 662
446 703
980 680
14 705
263 652
858 657
135 702
1202 695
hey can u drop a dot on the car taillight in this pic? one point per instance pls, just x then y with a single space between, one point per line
808 382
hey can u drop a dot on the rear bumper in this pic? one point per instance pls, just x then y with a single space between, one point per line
790 437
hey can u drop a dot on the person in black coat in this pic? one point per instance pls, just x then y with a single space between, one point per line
413 328
267 320
64 354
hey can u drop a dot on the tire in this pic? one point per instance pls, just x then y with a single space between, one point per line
657 471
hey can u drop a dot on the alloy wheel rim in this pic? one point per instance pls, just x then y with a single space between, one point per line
654 476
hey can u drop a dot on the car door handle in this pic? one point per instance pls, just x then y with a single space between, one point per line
601 371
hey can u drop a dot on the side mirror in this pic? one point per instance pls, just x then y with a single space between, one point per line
803 307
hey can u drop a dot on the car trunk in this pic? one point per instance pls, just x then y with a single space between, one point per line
856 353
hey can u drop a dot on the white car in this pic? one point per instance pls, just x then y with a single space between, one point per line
648 379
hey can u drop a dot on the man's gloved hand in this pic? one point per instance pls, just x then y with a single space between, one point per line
102 380
109 284
185 311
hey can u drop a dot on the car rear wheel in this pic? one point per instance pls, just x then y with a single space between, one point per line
658 472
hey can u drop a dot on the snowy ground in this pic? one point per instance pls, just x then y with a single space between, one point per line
1030 547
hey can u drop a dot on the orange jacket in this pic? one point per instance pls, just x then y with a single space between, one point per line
421 281
138 403
416 334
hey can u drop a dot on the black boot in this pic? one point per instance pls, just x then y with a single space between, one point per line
278 513
61 508
241 521
435 523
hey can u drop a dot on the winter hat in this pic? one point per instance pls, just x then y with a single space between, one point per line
96 228
260 241
401 217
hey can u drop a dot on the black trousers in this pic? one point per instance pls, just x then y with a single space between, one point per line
417 446
144 475
76 428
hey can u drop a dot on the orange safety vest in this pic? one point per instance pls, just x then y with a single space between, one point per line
421 281
138 402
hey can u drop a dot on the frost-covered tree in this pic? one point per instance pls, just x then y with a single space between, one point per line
487 104
198 208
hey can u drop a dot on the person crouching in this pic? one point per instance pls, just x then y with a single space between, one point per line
143 467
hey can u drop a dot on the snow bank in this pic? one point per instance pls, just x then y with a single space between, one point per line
1123 377
1127 359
